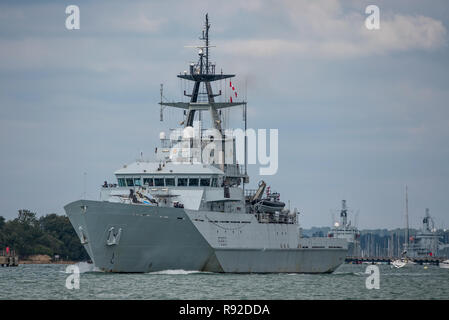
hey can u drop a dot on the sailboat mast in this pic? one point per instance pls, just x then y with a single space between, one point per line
246 147
406 218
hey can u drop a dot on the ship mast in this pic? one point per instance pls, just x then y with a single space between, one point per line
203 72
344 213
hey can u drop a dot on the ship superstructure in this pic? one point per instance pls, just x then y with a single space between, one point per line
189 208
426 243
343 229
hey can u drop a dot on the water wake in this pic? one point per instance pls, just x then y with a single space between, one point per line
84 267
174 272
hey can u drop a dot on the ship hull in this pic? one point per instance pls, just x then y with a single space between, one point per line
161 238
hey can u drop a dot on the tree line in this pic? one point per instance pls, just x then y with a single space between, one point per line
50 234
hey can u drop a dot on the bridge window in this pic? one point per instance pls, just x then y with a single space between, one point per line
158 182
169 182
193 182
214 182
148 182
130 182
182 182
121 182
205 182
137 182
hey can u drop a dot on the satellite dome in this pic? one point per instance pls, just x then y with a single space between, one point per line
188 132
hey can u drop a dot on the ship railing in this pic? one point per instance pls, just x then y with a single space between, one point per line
250 192
205 140
281 218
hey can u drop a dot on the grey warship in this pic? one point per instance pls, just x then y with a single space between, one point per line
180 211
344 230
426 243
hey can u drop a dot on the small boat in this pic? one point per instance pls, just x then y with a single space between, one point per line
444 264
270 206
400 263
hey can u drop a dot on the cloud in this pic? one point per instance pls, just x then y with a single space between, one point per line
323 29
409 32
117 18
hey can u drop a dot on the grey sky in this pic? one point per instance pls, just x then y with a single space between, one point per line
360 113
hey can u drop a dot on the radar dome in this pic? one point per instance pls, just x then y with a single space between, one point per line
188 133
162 135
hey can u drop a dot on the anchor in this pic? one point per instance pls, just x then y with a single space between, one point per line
83 237
113 239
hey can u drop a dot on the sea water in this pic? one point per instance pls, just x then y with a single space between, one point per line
347 282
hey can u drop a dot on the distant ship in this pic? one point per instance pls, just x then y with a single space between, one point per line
180 212
344 230
426 243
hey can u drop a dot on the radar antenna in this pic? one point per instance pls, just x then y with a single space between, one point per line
202 73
